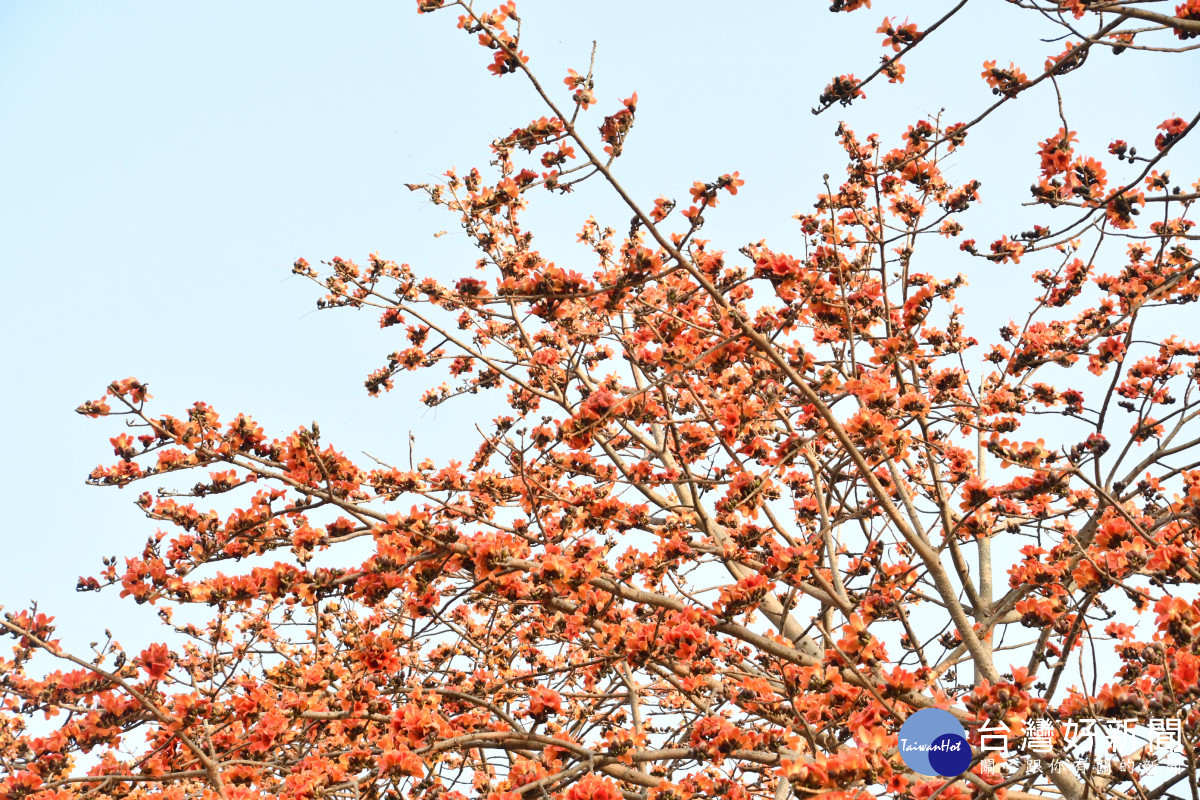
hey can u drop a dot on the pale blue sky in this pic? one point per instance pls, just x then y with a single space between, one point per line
163 164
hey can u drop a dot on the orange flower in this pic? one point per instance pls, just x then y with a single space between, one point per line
898 36
156 660
1006 82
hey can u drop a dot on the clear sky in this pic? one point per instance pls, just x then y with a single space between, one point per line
163 164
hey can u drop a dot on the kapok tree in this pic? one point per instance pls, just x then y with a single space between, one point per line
744 514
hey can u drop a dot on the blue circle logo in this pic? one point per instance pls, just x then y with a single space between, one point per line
933 743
